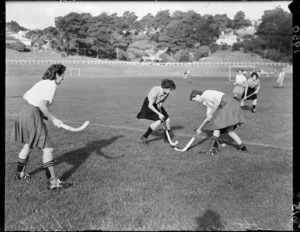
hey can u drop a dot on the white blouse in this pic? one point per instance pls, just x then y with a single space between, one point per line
208 96
42 90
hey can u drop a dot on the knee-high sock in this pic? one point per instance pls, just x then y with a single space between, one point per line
47 167
21 163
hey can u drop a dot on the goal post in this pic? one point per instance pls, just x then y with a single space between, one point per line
233 69
74 72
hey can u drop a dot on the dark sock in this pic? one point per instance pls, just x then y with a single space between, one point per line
214 142
253 107
242 147
46 168
21 164
148 132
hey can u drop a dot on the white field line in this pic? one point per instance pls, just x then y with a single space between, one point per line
177 134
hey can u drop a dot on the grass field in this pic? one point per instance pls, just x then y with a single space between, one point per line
121 185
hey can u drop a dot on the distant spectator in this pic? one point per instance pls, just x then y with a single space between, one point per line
280 78
187 75
240 82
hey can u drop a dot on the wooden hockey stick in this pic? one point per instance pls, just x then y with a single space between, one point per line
167 133
192 139
249 96
69 128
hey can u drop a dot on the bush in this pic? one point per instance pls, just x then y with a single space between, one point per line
123 55
224 46
274 55
165 57
19 46
203 51
213 48
259 52
185 56
236 47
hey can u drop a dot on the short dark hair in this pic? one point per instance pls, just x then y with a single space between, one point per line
168 84
254 74
194 93
53 70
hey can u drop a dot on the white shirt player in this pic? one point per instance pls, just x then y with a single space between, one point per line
240 79
208 96
42 90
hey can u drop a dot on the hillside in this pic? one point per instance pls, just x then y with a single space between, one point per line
228 56
219 56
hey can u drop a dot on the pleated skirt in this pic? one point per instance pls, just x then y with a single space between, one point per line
250 91
238 89
147 113
30 128
227 117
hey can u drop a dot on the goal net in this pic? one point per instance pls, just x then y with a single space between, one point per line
74 72
233 70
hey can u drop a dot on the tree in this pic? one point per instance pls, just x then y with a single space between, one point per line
72 29
275 30
239 21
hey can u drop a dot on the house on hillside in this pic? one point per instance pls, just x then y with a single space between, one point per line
20 36
227 38
246 32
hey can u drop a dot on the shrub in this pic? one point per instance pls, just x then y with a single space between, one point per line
213 48
224 46
236 47
185 56
19 46
165 57
274 55
203 51
123 55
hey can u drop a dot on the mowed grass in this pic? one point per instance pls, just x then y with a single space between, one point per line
121 185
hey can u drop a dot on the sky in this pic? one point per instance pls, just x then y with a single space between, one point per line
40 15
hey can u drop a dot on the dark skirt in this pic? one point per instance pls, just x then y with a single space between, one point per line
31 129
250 91
227 117
147 113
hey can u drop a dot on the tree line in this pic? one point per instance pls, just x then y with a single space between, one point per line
185 36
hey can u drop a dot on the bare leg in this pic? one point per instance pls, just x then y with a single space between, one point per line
237 139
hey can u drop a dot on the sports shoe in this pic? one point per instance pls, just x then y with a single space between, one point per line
253 110
59 184
212 151
239 149
25 177
144 140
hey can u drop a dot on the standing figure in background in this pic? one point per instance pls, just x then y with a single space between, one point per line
239 84
31 130
251 90
187 75
280 78
153 109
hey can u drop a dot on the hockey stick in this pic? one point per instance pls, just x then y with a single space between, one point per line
167 133
192 139
249 95
69 128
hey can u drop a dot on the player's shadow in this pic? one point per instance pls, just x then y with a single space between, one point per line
247 108
159 134
77 157
209 221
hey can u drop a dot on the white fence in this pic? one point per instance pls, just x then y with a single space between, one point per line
144 63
